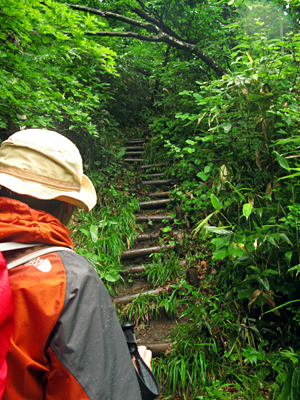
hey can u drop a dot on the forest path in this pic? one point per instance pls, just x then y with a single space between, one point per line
149 302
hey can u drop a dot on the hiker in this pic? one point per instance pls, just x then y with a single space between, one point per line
67 342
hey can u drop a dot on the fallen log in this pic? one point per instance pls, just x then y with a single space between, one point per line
144 252
154 218
154 203
159 182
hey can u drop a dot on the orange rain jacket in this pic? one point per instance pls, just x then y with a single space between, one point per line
67 342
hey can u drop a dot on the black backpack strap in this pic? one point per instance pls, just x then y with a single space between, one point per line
147 381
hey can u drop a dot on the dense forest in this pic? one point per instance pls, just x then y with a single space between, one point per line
214 86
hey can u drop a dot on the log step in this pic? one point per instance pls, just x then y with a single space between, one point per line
154 218
133 153
147 236
133 269
159 194
134 159
158 174
132 148
159 182
137 269
153 165
130 298
154 203
129 254
135 141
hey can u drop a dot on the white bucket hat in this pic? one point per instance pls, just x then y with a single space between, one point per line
45 165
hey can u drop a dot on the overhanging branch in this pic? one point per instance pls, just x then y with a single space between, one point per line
118 17
163 34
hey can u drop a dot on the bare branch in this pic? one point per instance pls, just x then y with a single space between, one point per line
163 34
110 15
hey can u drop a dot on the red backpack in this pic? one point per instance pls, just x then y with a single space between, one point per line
6 320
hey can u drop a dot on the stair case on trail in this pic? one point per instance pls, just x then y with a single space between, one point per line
153 334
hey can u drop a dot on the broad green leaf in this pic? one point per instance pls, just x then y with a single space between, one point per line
215 202
191 142
247 210
220 254
203 176
289 140
295 268
284 237
288 256
85 232
94 233
282 161
286 390
264 281
295 384
189 149
220 230
111 276
235 24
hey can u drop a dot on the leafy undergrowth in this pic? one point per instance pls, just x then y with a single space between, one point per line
238 330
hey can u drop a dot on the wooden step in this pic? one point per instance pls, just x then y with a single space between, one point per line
153 166
133 153
131 297
154 203
133 269
157 175
132 148
147 236
159 194
159 182
134 159
135 253
135 141
139 268
154 218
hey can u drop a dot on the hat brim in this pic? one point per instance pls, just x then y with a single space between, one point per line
86 198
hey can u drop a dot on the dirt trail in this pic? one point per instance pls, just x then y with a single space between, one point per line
152 331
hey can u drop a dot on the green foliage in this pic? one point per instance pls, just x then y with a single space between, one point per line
51 73
103 234
163 270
